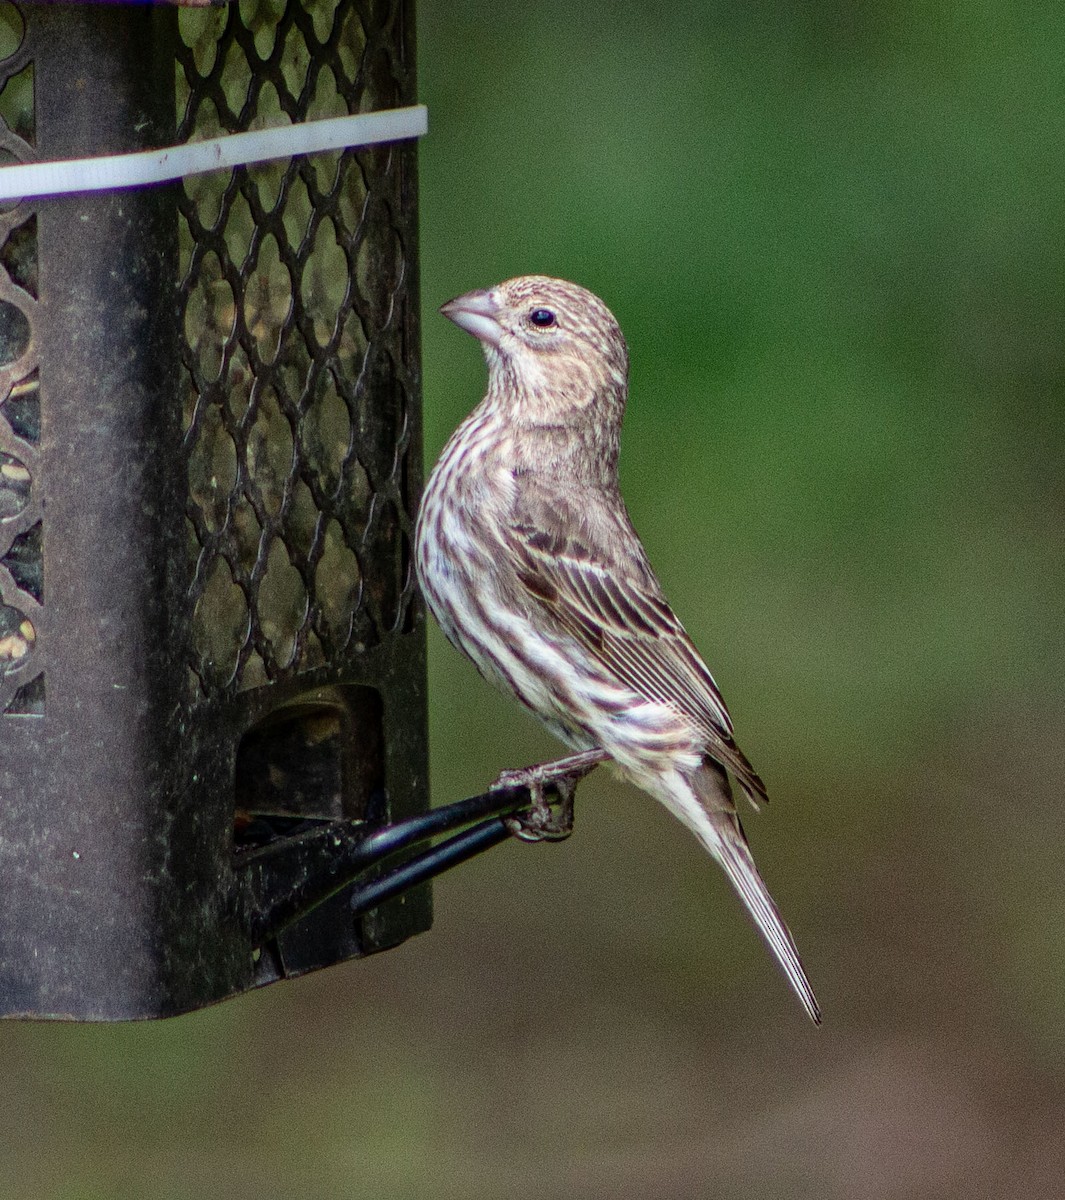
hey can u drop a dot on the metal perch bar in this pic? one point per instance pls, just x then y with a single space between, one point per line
281 882
430 864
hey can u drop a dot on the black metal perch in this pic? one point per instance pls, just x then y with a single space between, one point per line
287 878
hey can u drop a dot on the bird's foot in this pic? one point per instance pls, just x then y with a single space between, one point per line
540 821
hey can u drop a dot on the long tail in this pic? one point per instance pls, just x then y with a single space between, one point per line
705 806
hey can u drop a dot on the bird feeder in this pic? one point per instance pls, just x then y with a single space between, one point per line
212 660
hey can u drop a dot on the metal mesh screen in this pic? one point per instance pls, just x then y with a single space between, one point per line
21 559
296 283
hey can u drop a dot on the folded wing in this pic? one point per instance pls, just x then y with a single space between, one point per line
623 620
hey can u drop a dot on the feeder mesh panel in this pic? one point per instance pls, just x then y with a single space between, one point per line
294 285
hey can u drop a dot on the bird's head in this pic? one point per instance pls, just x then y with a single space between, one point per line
552 347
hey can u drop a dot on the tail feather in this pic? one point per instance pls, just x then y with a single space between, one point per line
736 859
709 812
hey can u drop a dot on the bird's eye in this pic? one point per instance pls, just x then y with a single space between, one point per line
542 318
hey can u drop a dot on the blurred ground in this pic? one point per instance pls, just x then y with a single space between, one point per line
834 238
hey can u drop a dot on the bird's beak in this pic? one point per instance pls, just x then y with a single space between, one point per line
477 313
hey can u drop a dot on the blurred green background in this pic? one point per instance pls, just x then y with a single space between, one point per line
833 235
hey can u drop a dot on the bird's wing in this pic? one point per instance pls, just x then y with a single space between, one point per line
625 622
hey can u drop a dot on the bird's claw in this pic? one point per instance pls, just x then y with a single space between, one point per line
539 822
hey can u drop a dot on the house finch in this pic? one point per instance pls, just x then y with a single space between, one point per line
528 560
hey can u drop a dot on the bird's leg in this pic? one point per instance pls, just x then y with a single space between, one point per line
537 823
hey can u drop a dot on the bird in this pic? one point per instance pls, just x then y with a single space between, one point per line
528 560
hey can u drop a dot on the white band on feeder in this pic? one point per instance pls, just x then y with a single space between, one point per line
193 158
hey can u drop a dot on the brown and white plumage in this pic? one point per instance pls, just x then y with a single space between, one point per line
528 560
